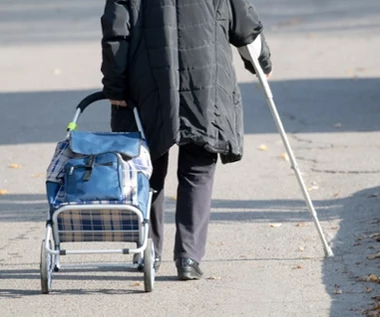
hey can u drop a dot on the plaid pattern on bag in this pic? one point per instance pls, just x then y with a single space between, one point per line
98 225
61 155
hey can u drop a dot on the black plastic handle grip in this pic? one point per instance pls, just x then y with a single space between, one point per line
91 99
96 97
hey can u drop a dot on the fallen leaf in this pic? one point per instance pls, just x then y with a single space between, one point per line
3 192
312 188
298 267
14 165
137 284
374 256
375 236
214 278
368 290
301 224
350 72
373 278
376 307
338 291
335 228
285 156
263 147
336 195
337 125
275 225
373 312
301 249
37 175
57 71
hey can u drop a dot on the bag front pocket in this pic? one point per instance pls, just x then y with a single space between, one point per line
94 178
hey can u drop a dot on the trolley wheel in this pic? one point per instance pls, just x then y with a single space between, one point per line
149 272
45 268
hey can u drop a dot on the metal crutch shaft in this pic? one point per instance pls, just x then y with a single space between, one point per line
269 97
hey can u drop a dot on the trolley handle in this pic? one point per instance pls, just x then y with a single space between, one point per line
90 99
96 97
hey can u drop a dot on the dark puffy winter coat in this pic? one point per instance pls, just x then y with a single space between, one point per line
173 59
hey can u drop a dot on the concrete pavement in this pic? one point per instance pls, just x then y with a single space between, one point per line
326 84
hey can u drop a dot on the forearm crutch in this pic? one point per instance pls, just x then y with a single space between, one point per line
254 52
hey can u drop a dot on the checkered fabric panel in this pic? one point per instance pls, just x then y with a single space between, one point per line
142 163
98 225
61 155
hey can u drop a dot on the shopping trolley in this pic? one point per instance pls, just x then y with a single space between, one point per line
98 191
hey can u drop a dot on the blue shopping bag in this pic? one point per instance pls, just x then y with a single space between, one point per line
97 172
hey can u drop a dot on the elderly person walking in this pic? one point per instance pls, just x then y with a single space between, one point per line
173 60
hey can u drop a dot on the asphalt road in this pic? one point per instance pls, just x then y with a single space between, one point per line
264 257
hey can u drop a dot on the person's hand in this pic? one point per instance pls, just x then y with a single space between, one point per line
119 103
268 75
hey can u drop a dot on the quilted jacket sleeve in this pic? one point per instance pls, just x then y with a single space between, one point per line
115 23
245 26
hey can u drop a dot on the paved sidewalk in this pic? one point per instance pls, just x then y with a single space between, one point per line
264 257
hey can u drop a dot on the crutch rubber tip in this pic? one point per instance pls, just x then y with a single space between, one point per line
329 253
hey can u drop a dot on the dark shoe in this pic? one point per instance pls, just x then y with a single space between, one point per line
188 269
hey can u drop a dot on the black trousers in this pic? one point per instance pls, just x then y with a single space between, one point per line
195 172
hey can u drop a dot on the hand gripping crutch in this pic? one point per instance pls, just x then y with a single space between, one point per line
253 51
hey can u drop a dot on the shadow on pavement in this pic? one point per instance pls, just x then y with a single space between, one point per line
72 275
17 293
359 219
352 244
26 208
305 106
